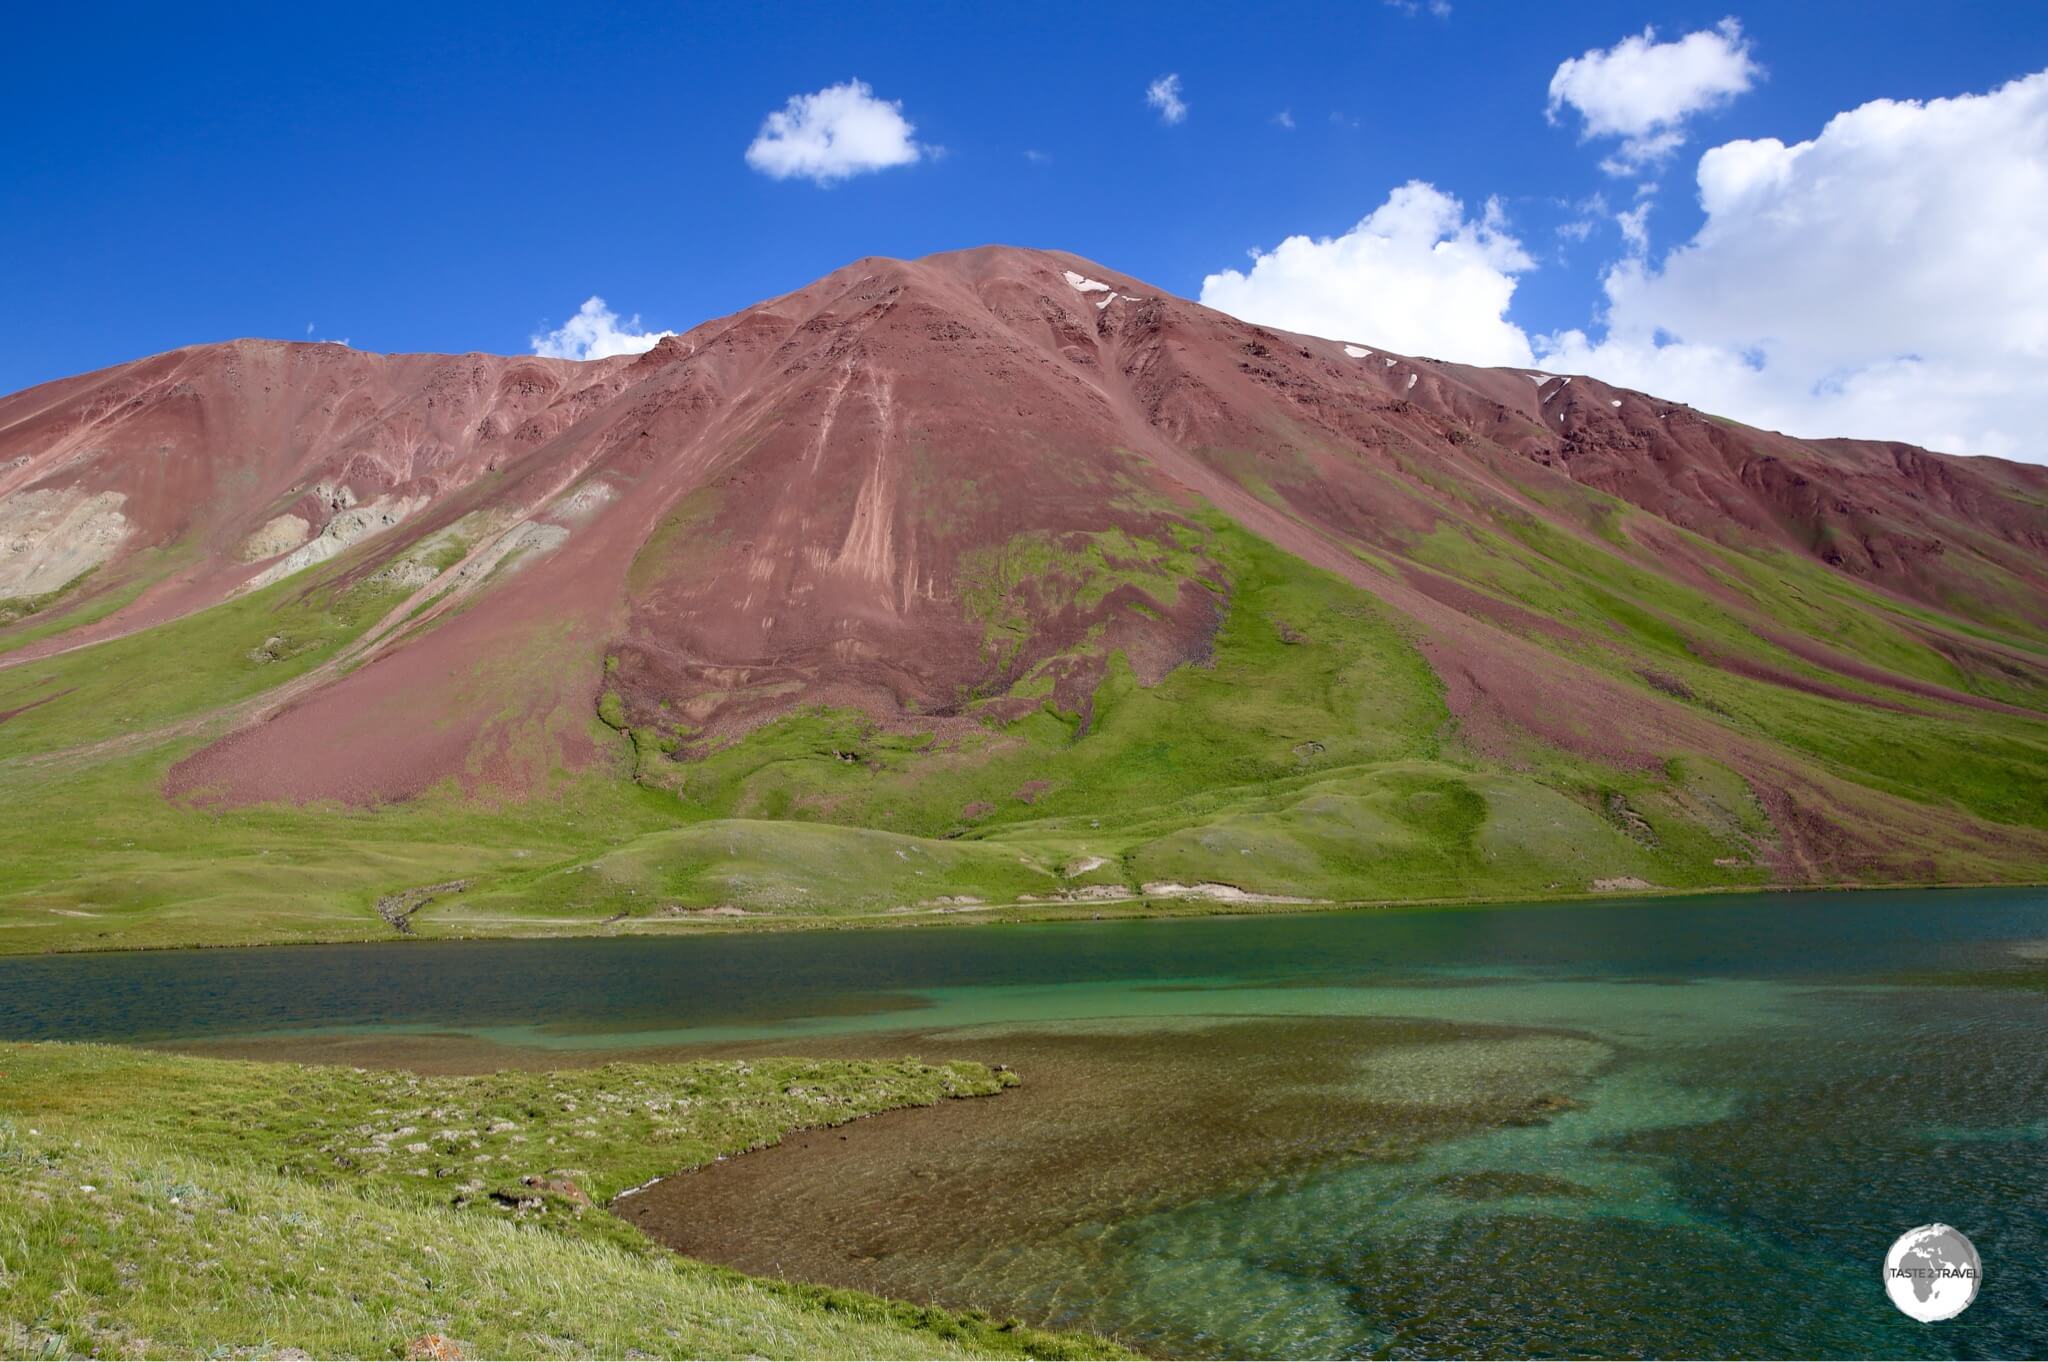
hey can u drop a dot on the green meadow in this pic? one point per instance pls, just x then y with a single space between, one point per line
1310 757
161 1206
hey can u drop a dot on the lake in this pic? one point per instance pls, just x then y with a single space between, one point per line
1674 1126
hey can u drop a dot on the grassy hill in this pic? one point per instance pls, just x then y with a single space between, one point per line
1310 756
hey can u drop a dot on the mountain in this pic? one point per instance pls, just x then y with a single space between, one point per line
993 577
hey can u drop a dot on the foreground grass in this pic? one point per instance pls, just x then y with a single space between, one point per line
165 1206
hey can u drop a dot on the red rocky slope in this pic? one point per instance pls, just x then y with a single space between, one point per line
812 501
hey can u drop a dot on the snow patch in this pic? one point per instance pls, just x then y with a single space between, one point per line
1390 363
1615 403
1083 284
1411 381
1357 352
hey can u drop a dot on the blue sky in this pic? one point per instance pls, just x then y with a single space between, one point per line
451 178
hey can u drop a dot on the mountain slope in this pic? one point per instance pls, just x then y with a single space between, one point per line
996 574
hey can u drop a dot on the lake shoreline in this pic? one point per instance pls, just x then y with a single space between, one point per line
170 1166
1138 907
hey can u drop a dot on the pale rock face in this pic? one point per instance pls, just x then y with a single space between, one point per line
587 499
49 537
280 534
529 540
408 573
351 526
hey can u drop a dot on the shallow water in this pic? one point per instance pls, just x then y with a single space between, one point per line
1673 1127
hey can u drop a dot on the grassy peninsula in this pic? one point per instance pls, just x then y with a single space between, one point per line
157 1205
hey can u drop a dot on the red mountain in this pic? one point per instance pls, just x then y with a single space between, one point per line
940 497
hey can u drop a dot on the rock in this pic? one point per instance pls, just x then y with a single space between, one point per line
552 1186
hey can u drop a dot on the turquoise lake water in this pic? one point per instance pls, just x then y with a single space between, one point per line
1619 1129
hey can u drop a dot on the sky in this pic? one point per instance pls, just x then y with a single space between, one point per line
1830 219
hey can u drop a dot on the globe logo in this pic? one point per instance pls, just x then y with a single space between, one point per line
1932 1273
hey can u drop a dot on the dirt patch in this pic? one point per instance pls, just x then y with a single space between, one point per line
1220 893
397 909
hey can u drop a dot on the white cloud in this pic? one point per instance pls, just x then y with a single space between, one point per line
1587 213
1643 91
595 332
1416 276
1887 279
1440 8
1635 228
839 132
1285 119
1163 94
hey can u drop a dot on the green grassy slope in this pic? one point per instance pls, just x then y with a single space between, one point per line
1310 755
160 1206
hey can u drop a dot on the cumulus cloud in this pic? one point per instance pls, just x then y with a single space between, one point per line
832 135
1887 279
1416 275
1163 94
1440 8
1642 91
595 332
